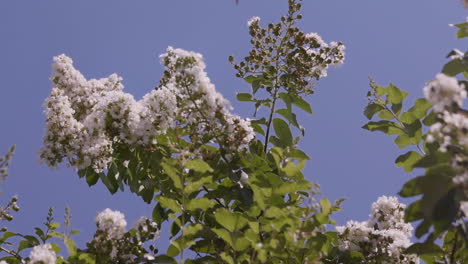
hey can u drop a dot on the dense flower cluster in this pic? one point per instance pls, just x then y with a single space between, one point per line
383 237
112 223
447 96
445 91
85 118
42 254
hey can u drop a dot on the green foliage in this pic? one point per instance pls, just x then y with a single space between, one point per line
438 198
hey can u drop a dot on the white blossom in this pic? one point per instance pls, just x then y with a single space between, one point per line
444 91
42 254
112 223
85 118
253 20
384 233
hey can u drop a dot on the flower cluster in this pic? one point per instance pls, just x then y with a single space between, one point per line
307 56
112 223
112 242
42 254
451 128
384 236
86 118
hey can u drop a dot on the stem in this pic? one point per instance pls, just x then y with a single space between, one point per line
454 248
14 254
270 119
403 125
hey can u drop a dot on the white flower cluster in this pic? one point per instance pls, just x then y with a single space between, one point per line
447 96
42 254
385 235
112 223
333 52
85 118
444 92
253 20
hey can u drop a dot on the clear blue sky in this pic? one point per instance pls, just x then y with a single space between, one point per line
401 41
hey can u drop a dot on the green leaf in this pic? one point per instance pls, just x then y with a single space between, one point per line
169 204
395 95
455 67
244 97
414 211
224 235
202 204
388 127
408 118
159 214
301 103
55 247
408 160
7 235
282 131
71 247
164 259
386 115
172 251
232 221
198 166
419 110
54 226
291 117
372 109
424 248
325 206
412 187
299 155
172 173
462 30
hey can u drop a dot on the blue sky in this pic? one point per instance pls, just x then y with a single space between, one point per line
404 42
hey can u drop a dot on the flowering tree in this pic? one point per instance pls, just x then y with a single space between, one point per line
232 188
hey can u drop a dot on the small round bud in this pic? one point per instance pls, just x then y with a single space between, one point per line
8 217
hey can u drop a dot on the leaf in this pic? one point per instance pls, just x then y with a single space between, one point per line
164 259
224 235
7 235
388 127
172 173
386 115
172 251
408 160
159 214
372 109
55 247
455 67
414 211
169 203
299 155
291 117
421 105
395 95
54 226
325 206
232 221
244 97
202 204
92 178
412 187
462 30
424 248
282 131
198 166
71 247
302 104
